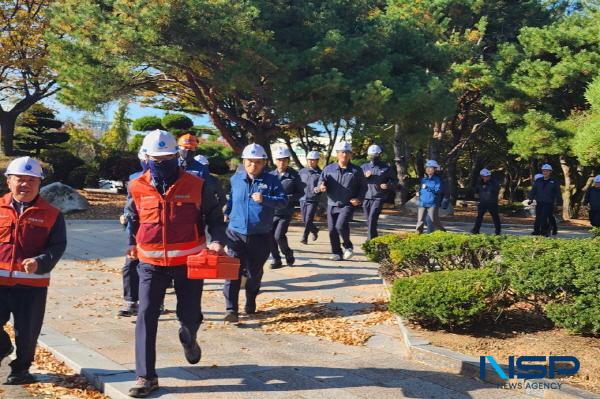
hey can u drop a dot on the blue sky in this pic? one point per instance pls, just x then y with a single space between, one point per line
133 112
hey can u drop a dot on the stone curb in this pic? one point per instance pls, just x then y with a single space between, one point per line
441 358
107 376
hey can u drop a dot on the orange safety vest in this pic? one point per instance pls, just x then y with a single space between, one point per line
168 231
24 236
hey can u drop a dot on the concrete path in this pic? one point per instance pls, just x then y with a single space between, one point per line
271 356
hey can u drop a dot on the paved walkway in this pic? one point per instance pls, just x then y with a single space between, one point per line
255 360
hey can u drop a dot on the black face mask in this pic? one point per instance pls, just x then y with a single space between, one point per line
165 172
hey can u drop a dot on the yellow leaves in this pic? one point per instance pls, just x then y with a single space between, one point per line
473 35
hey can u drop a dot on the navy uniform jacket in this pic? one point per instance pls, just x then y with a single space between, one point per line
292 188
546 191
246 216
194 167
381 174
343 185
592 197
488 192
310 181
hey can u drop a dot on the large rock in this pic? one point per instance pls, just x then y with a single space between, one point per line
64 198
412 207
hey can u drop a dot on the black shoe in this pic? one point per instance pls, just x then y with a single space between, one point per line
290 260
250 309
231 317
20 378
129 309
535 233
276 264
6 354
304 241
143 387
191 349
315 235
554 232
474 232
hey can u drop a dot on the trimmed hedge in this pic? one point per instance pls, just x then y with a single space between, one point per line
560 276
451 298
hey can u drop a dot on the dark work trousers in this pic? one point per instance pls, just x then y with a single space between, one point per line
154 281
492 208
279 241
426 216
252 251
372 209
338 223
595 217
27 305
543 211
308 210
131 280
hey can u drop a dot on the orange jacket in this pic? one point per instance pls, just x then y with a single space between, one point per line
21 237
168 231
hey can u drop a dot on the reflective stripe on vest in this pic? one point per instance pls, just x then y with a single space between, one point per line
16 274
171 254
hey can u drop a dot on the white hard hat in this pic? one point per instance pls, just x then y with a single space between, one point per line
597 179
546 167
431 164
25 166
254 151
343 146
485 172
281 153
202 159
313 155
538 176
159 142
374 149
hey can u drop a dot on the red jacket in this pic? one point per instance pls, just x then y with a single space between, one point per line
21 237
168 231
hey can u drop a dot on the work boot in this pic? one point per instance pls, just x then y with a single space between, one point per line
191 349
129 309
474 231
143 387
554 231
335 257
315 235
348 253
304 241
231 317
6 354
290 260
276 264
20 378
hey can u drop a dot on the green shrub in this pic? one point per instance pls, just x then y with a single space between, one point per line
378 249
444 251
595 231
62 163
581 315
449 299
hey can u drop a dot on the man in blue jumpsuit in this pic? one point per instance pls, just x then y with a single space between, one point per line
432 195
345 186
546 193
309 203
255 195
487 190
292 188
592 198
381 180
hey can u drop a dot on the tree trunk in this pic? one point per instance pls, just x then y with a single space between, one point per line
7 131
566 190
452 179
419 163
297 161
401 159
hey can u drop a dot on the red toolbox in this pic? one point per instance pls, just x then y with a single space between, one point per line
210 265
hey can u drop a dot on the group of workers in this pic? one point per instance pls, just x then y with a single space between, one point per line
175 208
